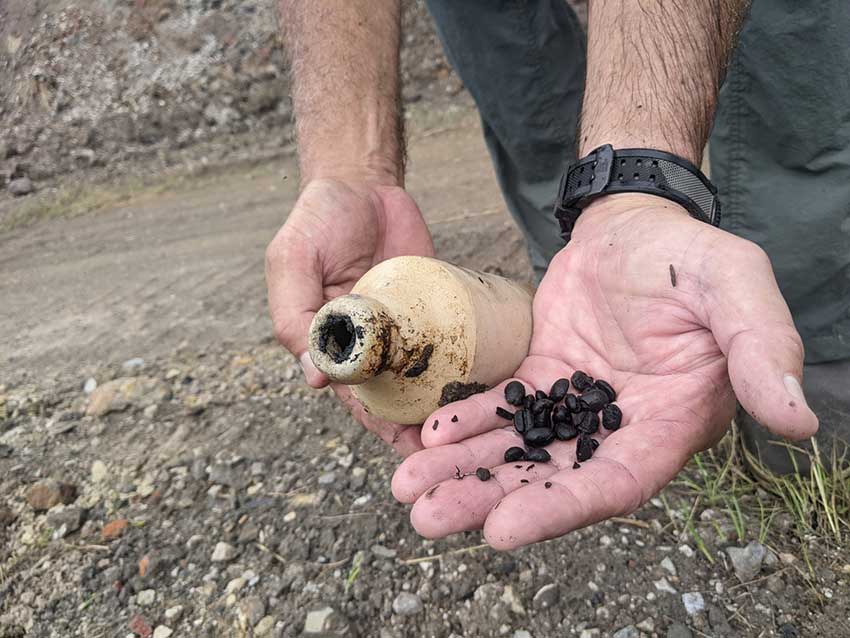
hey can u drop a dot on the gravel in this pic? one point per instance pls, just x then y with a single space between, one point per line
747 561
693 602
407 604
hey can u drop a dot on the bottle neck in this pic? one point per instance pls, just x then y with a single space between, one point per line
352 339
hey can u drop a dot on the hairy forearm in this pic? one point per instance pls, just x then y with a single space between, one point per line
654 69
344 56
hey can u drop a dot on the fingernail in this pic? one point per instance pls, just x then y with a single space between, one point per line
794 389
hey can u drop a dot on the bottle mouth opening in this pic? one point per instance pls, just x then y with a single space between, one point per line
337 336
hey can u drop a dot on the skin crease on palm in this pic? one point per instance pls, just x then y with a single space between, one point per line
607 306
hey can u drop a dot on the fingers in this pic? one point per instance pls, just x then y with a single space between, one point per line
463 419
404 439
294 280
753 326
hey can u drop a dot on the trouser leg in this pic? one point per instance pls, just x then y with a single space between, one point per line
523 62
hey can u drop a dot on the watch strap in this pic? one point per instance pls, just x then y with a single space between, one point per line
606 171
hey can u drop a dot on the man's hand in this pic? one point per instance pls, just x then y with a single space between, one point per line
674 346
337 231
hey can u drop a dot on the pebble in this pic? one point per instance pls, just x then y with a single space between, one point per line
264 627
383 552
522 633
140 627
99 472
146 597
629 631
162 632
589 633
668 565
173 614
289 517
223 552
664 585
747 561
133 365
49 493
546 596
407 604
358 477
328 478
251 611
694 602
90 385
114 529
678 630
20 187
64 520
647 625
686 551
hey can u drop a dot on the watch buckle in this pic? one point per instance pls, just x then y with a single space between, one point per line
602 165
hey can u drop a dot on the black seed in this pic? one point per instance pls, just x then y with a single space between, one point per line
454 419
611 416
547 485
584 448
595 399
543 419
513 454
541 404
561 415
500 411
589 423
538 455
672 275
540 395
559 390
606 388
576 466
594 443
566 431
572 403
539 437
523 480
529 468
514 393
436 424
519 467
523 420
528 401
483 474
581 380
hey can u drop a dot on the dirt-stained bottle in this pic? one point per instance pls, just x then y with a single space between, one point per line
416 333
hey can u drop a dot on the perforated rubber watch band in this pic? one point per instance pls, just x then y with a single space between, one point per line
606 171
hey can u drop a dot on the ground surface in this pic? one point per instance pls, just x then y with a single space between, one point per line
149 313
219 441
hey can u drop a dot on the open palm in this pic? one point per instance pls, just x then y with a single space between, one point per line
674 314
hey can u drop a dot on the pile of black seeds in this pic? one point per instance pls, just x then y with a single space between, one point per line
542 418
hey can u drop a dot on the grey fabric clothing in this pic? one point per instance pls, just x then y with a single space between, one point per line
780 149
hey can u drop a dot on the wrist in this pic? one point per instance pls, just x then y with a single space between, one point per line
368 171
625 206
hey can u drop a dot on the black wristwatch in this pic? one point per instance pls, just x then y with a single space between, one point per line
634 170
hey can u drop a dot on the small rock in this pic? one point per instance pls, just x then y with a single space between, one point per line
663 585
546 596
325 621
776 584
131 366
289 517
125 392
146 597
162 632
358 478
223 552
46 494
20 187
64 520
139 626
7 517
589 633
668 566
747 561
383 552
90 385
788 631
686 551
264 627
678 630
99 472
522 633
173 614
627 632
647 625
694 602
407 604
327 478
114 529
771 559
251 611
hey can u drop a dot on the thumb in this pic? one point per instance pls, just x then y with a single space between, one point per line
753 327
294 281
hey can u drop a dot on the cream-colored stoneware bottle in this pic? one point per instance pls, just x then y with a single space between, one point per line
416 333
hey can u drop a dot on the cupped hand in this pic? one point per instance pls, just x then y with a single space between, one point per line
676 315
335 233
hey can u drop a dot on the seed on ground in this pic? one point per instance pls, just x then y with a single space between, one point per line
538 455
559 390
581 380
515 393
513 454
612 416
483 474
